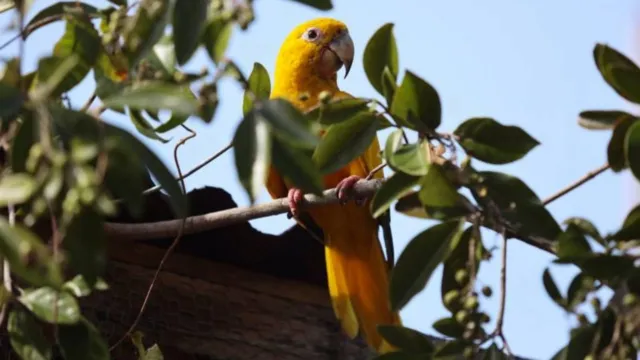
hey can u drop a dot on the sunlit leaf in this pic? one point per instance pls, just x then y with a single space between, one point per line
632 148
16 188
26 336
145 28
394 187
616 154
338 111
389 85
420 258
189 18
620 72
412 159
439 197
380 52
143 126
296 165
287 122
416 104
345 141
79 287
601 119
56 11
252 153
487 140
29 257
216 36
572 243
55 307
259 87
155 97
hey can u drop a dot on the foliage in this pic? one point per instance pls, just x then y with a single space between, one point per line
66 165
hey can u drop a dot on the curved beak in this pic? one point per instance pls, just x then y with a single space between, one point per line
342 46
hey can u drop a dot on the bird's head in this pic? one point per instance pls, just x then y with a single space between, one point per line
320 46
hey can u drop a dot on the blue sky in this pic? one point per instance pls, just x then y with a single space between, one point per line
526 63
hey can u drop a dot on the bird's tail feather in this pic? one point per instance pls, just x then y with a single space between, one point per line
358 285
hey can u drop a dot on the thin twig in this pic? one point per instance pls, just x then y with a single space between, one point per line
169 250
590 175
503 295
375 170
195 169
199 223
88 103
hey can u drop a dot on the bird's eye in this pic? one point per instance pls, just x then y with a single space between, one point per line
312 34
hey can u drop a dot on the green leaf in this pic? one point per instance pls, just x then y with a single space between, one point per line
416 104
402 355
389 85
22 142
125 174
420 258
518 204
56 11
177 198
29 257
450 348
189 18
572 243
155 97
162 58
586 227
344 142
216 37
411 159
16 188
82 341
616 153
87 254
79 287
439 197
296 165
318 4
449 327
11 101
406 339
81 39
410 205
601 119
338 111
54 307
630 229
145 28
622 74
252 151
259 86
632 148
381 52
153 353
26 336
143 126
552 289
493 353
394 187
579 287
607 267
487 140
579 346
287 122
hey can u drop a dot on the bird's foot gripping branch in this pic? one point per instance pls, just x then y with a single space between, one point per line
66 170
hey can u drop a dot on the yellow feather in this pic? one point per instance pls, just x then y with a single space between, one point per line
356 270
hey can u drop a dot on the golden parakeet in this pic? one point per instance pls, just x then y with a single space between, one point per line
357 274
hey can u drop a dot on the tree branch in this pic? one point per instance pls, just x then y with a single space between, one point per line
195 224
590 175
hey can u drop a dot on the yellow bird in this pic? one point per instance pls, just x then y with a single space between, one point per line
307 63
